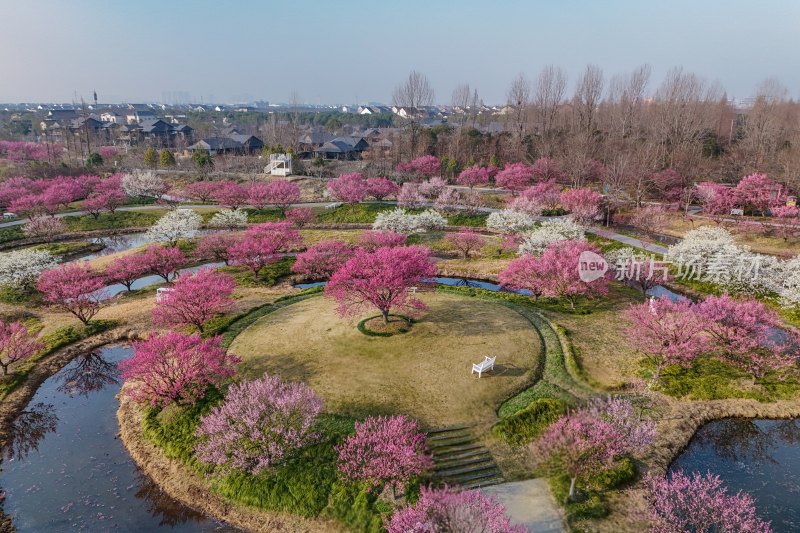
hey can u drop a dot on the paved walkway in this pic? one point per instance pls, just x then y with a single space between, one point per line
529 503
630 241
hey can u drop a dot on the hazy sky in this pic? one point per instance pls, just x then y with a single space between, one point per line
353 51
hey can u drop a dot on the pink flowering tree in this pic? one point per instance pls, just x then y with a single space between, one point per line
410 195
282 194
579 445
17 343
31 205
670 184
546 169
546 195
583 205
263 244
126 270
666 332
174 367
257 195
44 226
747 334
474 176
466 242
384 451
195 299
447 509
381 279
348 188
300 216
555 273
320 261
757 192
261 423
381 188
425 166
107 195
432 187
371 240
28 151
699 502
638 433
216 246
788 221
164 261
717 200
201 191
73 287
515 177
230 194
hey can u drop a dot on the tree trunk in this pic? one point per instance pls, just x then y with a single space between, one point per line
571 494
385 316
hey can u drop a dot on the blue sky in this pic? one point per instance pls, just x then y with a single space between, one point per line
353 51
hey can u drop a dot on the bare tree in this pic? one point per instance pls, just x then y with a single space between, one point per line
415 93
764 123
519 99
625 98
464 102
588 93
551 86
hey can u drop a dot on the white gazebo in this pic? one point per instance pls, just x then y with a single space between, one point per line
279 165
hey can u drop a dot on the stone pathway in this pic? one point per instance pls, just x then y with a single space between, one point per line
529 503
459 459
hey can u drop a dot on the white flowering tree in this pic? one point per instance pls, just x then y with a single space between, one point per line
175 225
229 218
560 229
44 226
698 246
509 221
21 268
401 221
789 287
140 183
430 220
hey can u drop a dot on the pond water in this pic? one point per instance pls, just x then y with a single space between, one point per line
761 457
659 290
455 282
112 290
66 470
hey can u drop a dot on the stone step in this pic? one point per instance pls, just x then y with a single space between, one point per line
483 483
445 430
466 467
445 460
469 477
449 435
452 450
445 444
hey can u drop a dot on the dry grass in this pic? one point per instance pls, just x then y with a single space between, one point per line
424 373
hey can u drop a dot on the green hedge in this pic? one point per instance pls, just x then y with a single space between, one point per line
352 213
362 327
527 424
117 220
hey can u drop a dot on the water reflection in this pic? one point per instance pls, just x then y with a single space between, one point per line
29 429
761 457
68 470
88 373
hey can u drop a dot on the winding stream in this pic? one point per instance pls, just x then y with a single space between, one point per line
66 470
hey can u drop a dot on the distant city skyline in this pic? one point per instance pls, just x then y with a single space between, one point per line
358 51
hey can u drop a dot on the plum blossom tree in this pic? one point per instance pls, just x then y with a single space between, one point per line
746 334
432 187
579 444
257 195
282 194
300 216
163 261
555 274
546 169
195 299
263 245
717 200
699 245
410 195
508 221
381 279
788 221
666 332
466 241
126 270
380 188
545 195
515 177
175 225
583 205
44 226
449 200
202 191
19 269
374 239
397 220
474 176
215 247
651 218
260 424
425 166
697 502
536 241
430 220
757 192
17 343
384 451
670 184
174 367
348 188
322 260
446 509
230 194
73 287
636 269
229 219
143 183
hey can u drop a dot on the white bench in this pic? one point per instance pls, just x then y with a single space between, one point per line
162 292
483 366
